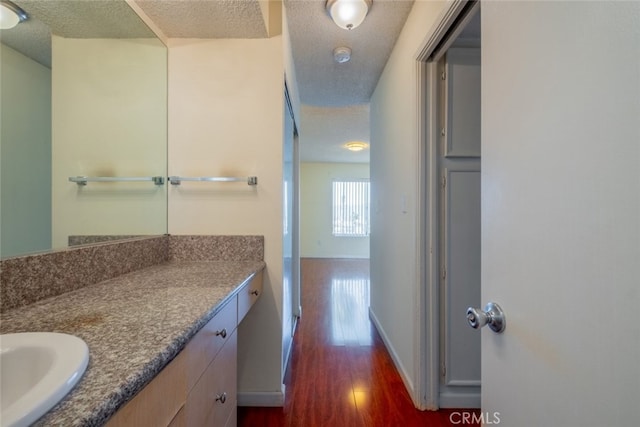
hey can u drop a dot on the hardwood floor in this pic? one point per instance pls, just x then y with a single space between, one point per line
340 373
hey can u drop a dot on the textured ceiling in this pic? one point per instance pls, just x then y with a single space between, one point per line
322 81
336 96
88 19
74 19
32 38
206 19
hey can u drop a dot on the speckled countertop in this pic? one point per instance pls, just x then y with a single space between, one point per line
133 324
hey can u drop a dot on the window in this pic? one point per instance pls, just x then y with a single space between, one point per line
351 208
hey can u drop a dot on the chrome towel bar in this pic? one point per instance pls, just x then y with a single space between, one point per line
250 180
82 180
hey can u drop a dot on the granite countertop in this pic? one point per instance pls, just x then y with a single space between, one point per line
133 324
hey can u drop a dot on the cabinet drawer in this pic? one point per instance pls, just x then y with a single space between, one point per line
204 346
248 295
206 405
158 403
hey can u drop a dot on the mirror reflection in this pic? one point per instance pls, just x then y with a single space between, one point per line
83 87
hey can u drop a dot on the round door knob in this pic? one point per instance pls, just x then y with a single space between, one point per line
492 315
221 397
222 333
477 318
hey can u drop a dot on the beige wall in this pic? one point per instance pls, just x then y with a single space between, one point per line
316 239
109 119
25 153
394 179
226 119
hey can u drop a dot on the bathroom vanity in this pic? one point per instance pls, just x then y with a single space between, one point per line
198 387
162 339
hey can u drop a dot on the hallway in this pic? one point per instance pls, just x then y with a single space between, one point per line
340 373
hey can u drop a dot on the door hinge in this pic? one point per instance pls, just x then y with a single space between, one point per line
443 132
443 370
443 76
444 273
444 181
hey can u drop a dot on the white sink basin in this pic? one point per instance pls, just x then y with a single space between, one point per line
37 369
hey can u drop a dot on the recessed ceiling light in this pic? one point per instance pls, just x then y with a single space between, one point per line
356 145
11 15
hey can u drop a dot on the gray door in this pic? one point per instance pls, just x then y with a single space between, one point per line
459 165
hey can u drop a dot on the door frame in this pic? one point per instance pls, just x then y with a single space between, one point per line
427 359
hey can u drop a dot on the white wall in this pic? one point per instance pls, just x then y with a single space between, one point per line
25 153
561 211
394 179
109 105
316 239
226 119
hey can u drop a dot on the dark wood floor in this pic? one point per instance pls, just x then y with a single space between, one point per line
340 373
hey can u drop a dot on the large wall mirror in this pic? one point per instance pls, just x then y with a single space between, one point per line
83 92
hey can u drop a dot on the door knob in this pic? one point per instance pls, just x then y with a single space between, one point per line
492 315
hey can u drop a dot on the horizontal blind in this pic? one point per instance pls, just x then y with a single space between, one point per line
351 208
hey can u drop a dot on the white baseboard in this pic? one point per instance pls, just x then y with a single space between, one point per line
408 383
460 400
262 398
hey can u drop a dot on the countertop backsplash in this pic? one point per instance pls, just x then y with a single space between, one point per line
27 279
216 248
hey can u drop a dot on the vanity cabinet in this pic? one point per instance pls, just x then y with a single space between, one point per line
157 403
212 401
198 387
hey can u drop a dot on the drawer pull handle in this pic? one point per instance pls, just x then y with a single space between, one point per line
221 397
254 292
223 334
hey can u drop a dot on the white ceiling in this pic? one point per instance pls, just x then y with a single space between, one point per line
206 19
327 129
322 81
71 18
335 97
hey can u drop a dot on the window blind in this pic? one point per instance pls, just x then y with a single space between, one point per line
351 208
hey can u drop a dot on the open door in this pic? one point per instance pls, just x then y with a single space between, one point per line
459 166
561 212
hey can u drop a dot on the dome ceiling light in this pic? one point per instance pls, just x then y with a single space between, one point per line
356 145
11 15
348 14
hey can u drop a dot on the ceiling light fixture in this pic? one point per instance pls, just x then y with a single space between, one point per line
11 15
356 145
348 14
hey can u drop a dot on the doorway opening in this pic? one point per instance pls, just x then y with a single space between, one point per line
449 73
